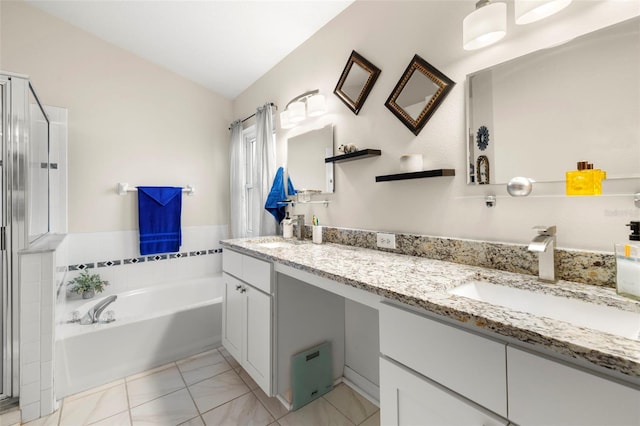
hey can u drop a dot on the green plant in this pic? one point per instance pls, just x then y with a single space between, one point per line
86 281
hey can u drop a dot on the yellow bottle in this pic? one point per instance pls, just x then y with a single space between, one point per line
580 182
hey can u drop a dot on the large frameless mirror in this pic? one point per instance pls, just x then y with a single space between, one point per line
541 113
356 81
418 94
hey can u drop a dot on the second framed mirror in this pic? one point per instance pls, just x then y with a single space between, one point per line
356 81
418 94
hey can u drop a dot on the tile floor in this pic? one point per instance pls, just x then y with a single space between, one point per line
206 389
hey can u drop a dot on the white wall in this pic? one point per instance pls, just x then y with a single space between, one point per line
129 121
388 34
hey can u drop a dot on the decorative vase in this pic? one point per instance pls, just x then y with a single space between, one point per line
88 294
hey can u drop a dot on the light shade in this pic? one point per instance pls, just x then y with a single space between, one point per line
484 26
285 123
296 111
528 11
316 106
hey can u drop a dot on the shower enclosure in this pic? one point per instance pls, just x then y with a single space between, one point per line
24 207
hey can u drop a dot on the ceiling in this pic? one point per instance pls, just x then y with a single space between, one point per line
223 45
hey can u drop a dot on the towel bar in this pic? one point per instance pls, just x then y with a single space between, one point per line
124 187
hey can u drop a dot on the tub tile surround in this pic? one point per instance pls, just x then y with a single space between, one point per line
115 256
423 283
587 267
164 395
41 270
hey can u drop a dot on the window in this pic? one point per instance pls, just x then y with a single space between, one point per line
249 139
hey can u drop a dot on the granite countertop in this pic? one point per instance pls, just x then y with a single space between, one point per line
424 283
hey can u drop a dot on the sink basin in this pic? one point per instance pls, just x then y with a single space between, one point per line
275 244
597 317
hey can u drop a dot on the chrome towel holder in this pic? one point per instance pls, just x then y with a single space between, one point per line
123 188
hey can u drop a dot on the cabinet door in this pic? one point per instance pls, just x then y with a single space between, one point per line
232 316
257 354
544 392
407 399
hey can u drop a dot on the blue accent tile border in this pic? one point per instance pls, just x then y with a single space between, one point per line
134 260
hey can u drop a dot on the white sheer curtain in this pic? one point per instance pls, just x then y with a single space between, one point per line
264 171
238 211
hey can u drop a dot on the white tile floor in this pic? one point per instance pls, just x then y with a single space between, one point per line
207 389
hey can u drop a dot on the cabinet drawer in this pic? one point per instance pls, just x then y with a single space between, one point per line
257 273
407 399
543 392
232 263
470 365
249 269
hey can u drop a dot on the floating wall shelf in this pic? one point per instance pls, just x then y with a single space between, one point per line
417 175
363 153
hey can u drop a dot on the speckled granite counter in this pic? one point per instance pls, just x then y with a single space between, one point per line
424 283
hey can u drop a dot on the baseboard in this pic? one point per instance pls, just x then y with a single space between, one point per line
362 385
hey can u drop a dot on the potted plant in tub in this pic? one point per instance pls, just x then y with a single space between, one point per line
88 284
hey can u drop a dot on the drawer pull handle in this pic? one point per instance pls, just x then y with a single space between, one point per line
243 290
238 286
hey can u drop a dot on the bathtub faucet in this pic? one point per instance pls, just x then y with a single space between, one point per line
93 315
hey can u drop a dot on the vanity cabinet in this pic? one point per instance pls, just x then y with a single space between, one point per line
247 315
544 391
443 374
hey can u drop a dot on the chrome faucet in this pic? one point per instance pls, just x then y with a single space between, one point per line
93 315
300 226
545 244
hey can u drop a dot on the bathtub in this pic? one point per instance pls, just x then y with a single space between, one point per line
153 326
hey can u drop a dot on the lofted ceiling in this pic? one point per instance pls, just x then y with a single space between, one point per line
222 45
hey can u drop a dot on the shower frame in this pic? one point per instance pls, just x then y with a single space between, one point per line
15 93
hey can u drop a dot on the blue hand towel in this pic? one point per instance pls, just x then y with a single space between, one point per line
159 210
277 194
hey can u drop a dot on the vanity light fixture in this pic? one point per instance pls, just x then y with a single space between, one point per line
485 25
528 11
309 104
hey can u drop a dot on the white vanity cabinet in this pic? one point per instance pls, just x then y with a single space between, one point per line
544 391
442 374
247 315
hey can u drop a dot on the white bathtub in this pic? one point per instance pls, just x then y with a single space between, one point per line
153 326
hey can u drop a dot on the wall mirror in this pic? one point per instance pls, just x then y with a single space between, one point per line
539 114
305 160
418 94
356 81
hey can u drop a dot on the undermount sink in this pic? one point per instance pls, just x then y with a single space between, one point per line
597 317
275 244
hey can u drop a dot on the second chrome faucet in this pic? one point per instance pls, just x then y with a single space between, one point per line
545 245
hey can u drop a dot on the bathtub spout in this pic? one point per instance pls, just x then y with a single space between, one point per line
93 315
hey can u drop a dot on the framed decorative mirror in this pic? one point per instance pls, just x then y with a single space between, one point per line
356 81
418 94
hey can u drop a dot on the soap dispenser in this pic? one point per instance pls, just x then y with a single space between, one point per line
628 264
287 227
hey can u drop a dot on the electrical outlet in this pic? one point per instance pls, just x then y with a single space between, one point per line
387 241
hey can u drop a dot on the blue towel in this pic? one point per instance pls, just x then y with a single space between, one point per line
277 195
159 210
